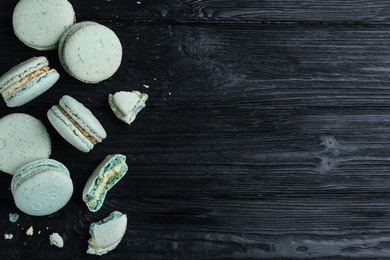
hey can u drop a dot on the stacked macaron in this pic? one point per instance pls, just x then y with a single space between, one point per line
91 53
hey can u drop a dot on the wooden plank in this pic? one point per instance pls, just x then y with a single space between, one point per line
314 100
205 228
263 141
224 10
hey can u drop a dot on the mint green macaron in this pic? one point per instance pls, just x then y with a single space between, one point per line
76 124
90 52
26 81
42 187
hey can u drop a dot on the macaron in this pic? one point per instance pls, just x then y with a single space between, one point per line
23 139
107 233
126 105
40 23
76 124
41 187
90 52
27 81
103 178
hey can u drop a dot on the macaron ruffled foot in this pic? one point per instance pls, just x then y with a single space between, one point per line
126 105
104 177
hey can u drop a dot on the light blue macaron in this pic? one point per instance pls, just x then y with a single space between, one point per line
76 124
27 81
42 187
103 178
90 52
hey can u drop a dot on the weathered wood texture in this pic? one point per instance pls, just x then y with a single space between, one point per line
348 11
259 140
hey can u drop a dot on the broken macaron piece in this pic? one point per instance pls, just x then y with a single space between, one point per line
27 81
126 105
76 124
107 233
103 178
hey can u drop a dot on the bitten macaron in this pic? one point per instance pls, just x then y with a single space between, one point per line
27 81
23 139
107 233
40 23
103 178
42 187
76 124
126 105
90 52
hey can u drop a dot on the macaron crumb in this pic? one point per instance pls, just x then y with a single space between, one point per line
56 240
13 217
30 231
39 232
8 236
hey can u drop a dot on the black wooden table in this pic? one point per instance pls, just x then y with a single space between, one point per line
266 135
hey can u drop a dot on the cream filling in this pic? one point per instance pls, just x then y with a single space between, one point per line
103 180
79 127
6 93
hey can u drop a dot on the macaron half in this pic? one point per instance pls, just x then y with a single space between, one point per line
42 187
126 105
40 23
23 139
103 178
107 233
90 52
76 124
27 81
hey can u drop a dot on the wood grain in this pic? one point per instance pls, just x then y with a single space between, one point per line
205 228
266 134
216 11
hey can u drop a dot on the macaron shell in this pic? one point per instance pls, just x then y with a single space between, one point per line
21 70
33 89
40 23
34 167
68 131
107 234
44 192
92 53
68 32
23 139
83 116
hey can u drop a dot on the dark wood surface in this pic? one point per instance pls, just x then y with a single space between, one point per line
266 135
